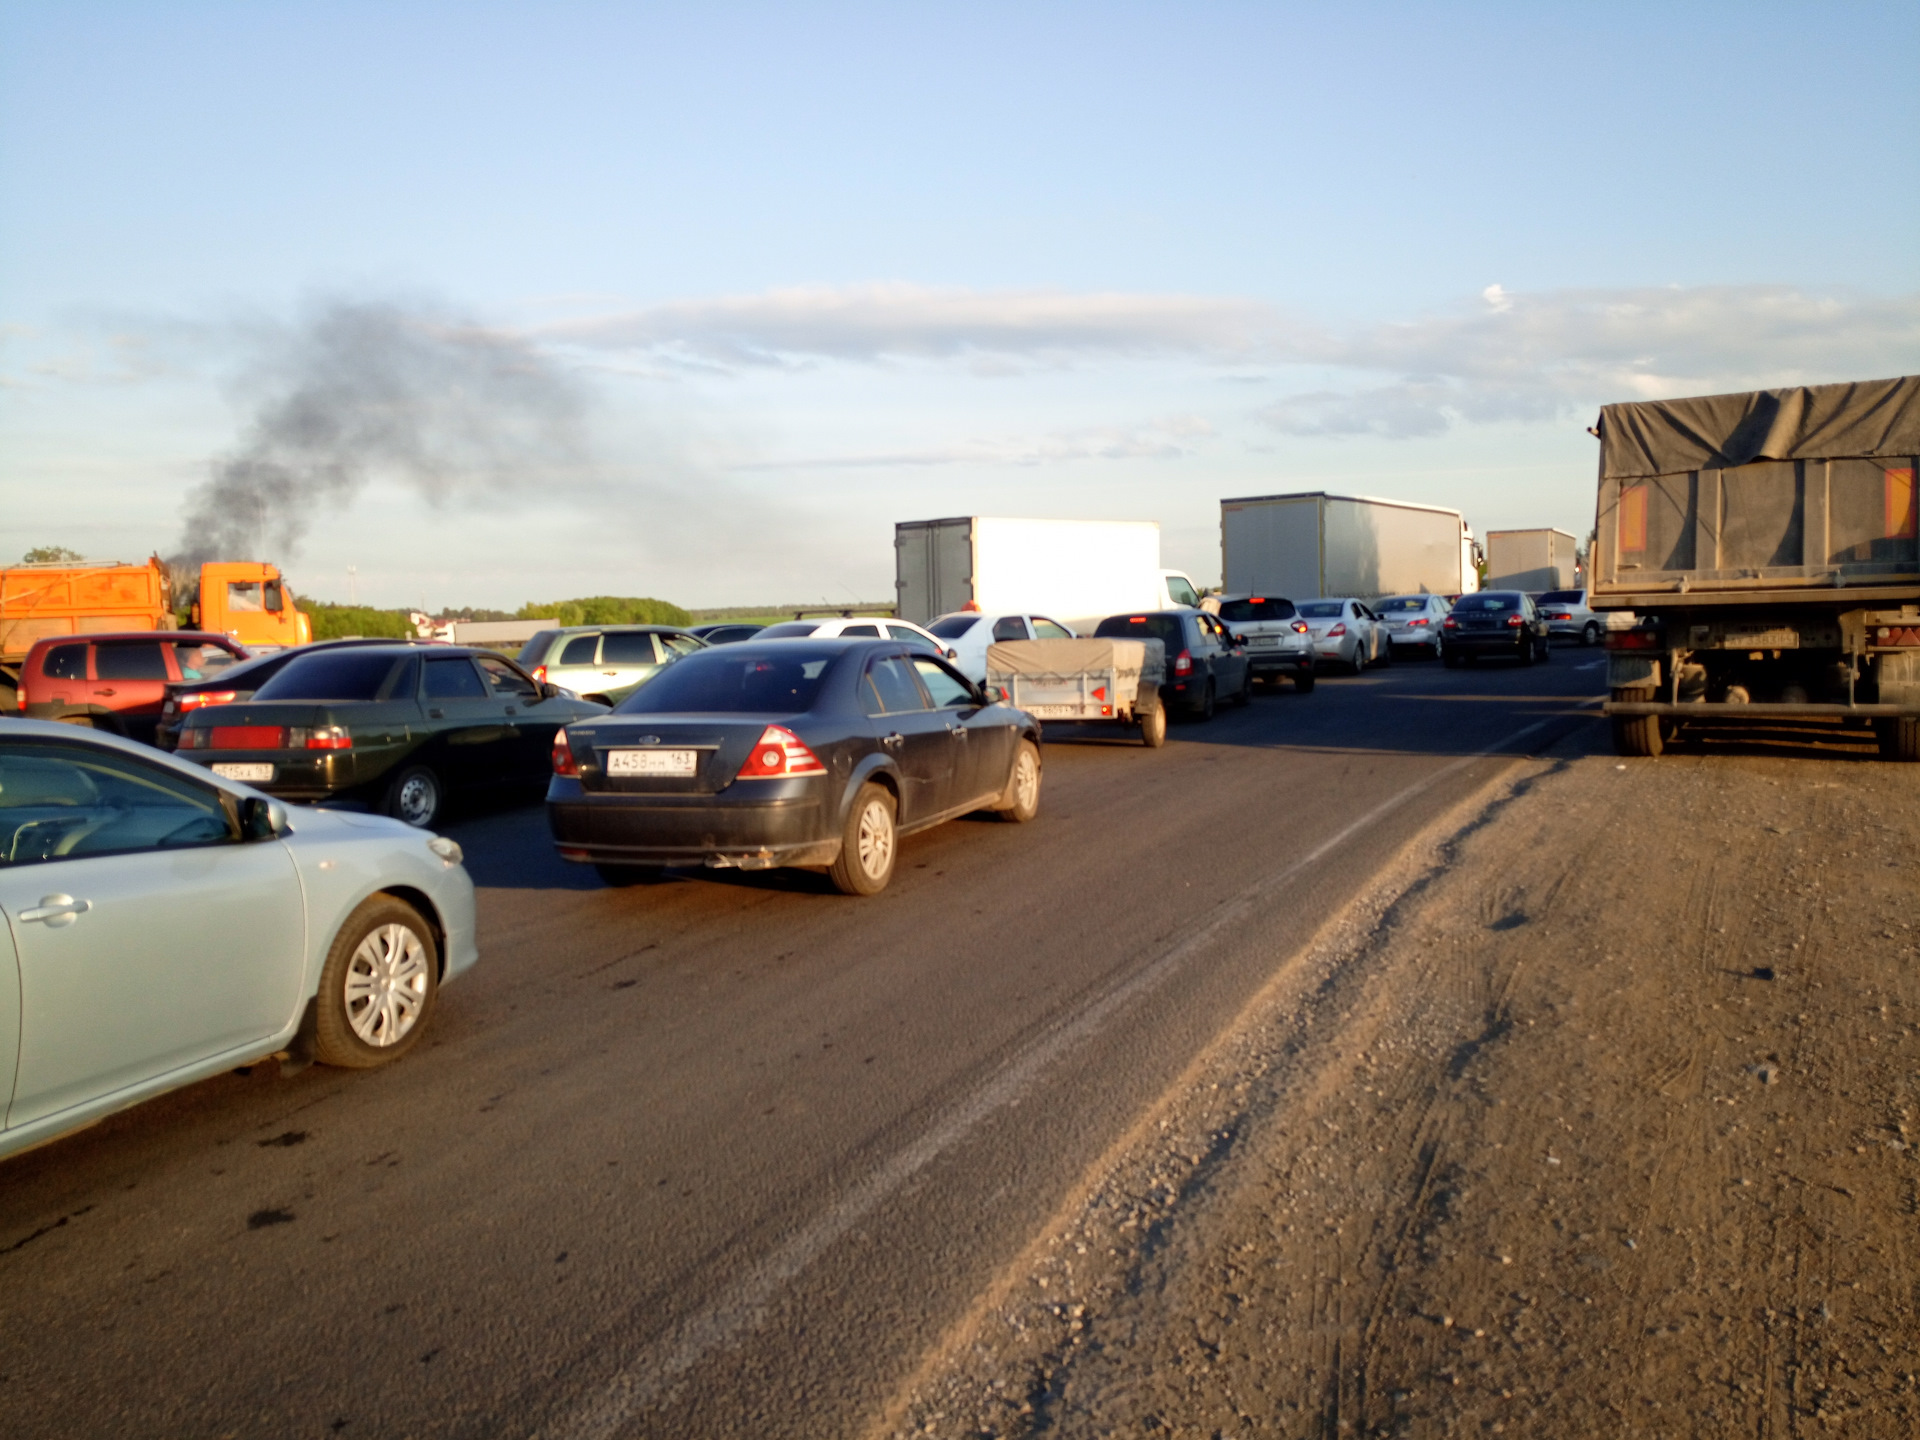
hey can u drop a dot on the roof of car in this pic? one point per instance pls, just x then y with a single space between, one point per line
617 625
172 637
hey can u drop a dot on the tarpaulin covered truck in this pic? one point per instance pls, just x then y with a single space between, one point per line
1533 560
76 598
1768 543
1312 544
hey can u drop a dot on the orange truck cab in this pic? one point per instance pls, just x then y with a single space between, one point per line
249 602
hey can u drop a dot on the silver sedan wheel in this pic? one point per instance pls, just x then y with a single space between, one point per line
386 989
1026 781
874 845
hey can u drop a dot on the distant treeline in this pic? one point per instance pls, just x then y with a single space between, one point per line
607 610
787 612
334 622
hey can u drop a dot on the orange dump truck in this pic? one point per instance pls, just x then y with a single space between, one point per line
63 598
249 602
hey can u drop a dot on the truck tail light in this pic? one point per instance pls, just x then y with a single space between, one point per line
1183 663
779 752
563 763
1633 640
196 699
1337 631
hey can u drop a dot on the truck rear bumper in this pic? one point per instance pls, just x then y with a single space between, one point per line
1704 711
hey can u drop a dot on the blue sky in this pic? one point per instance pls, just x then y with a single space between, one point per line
782 276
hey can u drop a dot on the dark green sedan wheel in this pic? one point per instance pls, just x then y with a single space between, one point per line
416 797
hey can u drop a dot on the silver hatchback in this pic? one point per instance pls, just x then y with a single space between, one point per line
605 662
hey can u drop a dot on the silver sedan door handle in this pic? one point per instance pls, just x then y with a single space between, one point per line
893 741
56 910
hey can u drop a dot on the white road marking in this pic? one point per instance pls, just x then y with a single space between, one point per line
1591 665
645 1376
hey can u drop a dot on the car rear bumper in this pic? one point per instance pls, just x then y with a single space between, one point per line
300 775
1288 662
1468 643
1414 640
750 832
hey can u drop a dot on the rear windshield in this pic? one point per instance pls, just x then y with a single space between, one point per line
1164 628
1257 607
1324 609
952 627
333 675
775 680
788 630
1563 597
1488 600
1402 605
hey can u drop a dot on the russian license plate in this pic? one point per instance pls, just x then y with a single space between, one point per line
1053 712
250 773
682 763
1263 642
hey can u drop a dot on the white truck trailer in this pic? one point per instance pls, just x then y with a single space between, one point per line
1533 560
1076 571
1312 544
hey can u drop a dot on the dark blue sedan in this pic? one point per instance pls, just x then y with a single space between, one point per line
788 752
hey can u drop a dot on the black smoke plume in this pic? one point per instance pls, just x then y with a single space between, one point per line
377 394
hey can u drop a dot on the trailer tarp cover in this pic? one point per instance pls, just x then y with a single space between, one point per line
1863 418
1130 660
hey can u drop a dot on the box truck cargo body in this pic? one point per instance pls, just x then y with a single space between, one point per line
1533 560
1314 543
1070 570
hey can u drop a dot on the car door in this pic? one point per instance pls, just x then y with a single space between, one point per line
149 935
533 733
918 737
474 736
130 678
985 753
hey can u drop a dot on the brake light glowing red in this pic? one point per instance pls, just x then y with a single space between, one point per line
1301 627
1412 623
247 737
540 673
1337 631
196 699
1257 600
1449 623
1514 622
1183 663
563 763
779 752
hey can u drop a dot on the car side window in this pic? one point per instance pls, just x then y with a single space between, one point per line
946 688
865 632
452 677
890 688
580 650
680 644
65 662
1045 629
1010 627
506 680
628 647
61 802
130 662
908 636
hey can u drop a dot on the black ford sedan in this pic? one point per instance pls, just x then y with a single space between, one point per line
395 727
1493 624
793 752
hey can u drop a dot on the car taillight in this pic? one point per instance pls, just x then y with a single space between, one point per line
1337 631
1559 617
1412 623
192 740
563 762
1300 627
1632 640
244 737
320 737
195 699
1449 623
1183 663
540 673
1516 621
780 752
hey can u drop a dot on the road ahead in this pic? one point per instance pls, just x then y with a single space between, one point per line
726 1154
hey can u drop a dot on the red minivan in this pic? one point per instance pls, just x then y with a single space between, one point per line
117 682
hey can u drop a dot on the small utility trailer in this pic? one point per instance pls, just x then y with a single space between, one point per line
1085 682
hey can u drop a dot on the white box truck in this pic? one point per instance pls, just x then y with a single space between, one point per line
1074 571
1310 544
1533 560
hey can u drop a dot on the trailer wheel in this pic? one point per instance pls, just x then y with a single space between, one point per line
1899 739
1636 734
1153 725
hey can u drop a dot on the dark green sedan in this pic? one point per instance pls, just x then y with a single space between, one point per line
398 728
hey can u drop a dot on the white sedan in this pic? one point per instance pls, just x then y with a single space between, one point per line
969 633
159 925
1346 632
859 627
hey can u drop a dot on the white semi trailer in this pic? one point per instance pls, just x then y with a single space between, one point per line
1533 560
1313 543
1073 571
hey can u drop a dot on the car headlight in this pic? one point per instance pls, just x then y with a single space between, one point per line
447 850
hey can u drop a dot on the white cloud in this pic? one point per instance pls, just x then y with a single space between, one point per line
1168 438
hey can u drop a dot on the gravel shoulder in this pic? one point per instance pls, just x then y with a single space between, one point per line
1595 1116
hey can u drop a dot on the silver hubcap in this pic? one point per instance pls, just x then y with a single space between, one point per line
418 799
876 839
1026 781
386 985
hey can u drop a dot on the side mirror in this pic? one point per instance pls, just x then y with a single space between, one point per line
548 689
993 694
952 654
262 819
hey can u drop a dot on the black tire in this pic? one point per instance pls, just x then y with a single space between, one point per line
1153 725
865 870
1023 789
1899 738
1208 704
415 797
619 876
1451 659
1244 695
1303 681
1359 662
1546 651
1637 735
1590 633
378 987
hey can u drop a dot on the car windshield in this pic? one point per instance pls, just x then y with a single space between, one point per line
952 627
1323 609
1257 607
1164 628
776 680
1403 605
1563 597
787 630
332 675
1487 601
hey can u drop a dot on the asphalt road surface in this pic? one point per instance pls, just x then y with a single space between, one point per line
727 1154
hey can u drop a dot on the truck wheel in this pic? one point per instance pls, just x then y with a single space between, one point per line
415 797
1899 739
1303 682
1639 735
1153 725
1023 786
378 986
867 846
1590 634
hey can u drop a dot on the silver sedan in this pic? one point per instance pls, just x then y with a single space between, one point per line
1346 632
159 925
